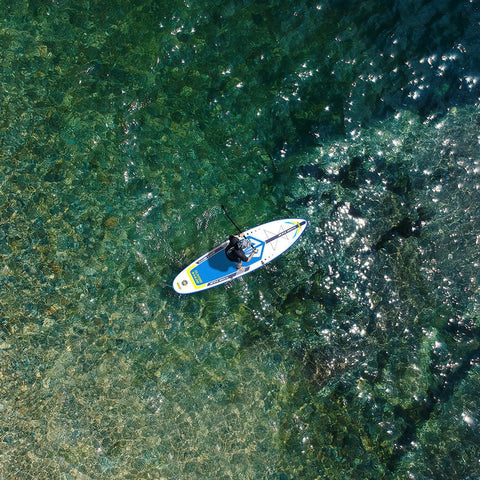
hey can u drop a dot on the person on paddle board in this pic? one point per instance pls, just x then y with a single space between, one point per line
234 250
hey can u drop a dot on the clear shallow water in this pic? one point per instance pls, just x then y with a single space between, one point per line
125 127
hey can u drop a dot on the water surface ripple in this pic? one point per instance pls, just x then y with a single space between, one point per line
126 126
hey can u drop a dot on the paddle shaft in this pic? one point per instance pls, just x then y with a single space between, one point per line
238 228
228 216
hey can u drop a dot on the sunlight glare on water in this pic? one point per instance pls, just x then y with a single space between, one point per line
127 127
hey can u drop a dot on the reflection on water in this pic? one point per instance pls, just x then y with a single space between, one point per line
125 128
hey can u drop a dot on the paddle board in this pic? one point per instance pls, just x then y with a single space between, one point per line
214 268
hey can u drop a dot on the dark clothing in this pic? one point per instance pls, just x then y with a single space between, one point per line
234 251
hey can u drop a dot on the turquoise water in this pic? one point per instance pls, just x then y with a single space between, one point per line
126 126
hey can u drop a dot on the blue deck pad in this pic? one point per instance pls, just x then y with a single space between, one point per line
219 266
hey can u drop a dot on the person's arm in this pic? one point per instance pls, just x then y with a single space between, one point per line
245 259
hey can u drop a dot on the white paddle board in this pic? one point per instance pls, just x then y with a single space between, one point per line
214 268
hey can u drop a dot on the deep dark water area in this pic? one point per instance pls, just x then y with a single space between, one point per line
126 125
403 338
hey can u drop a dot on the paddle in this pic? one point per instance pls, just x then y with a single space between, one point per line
228 216
238 228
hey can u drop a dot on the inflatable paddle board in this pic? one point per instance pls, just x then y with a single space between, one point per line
214 268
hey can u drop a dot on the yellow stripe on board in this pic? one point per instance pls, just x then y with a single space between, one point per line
195 277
